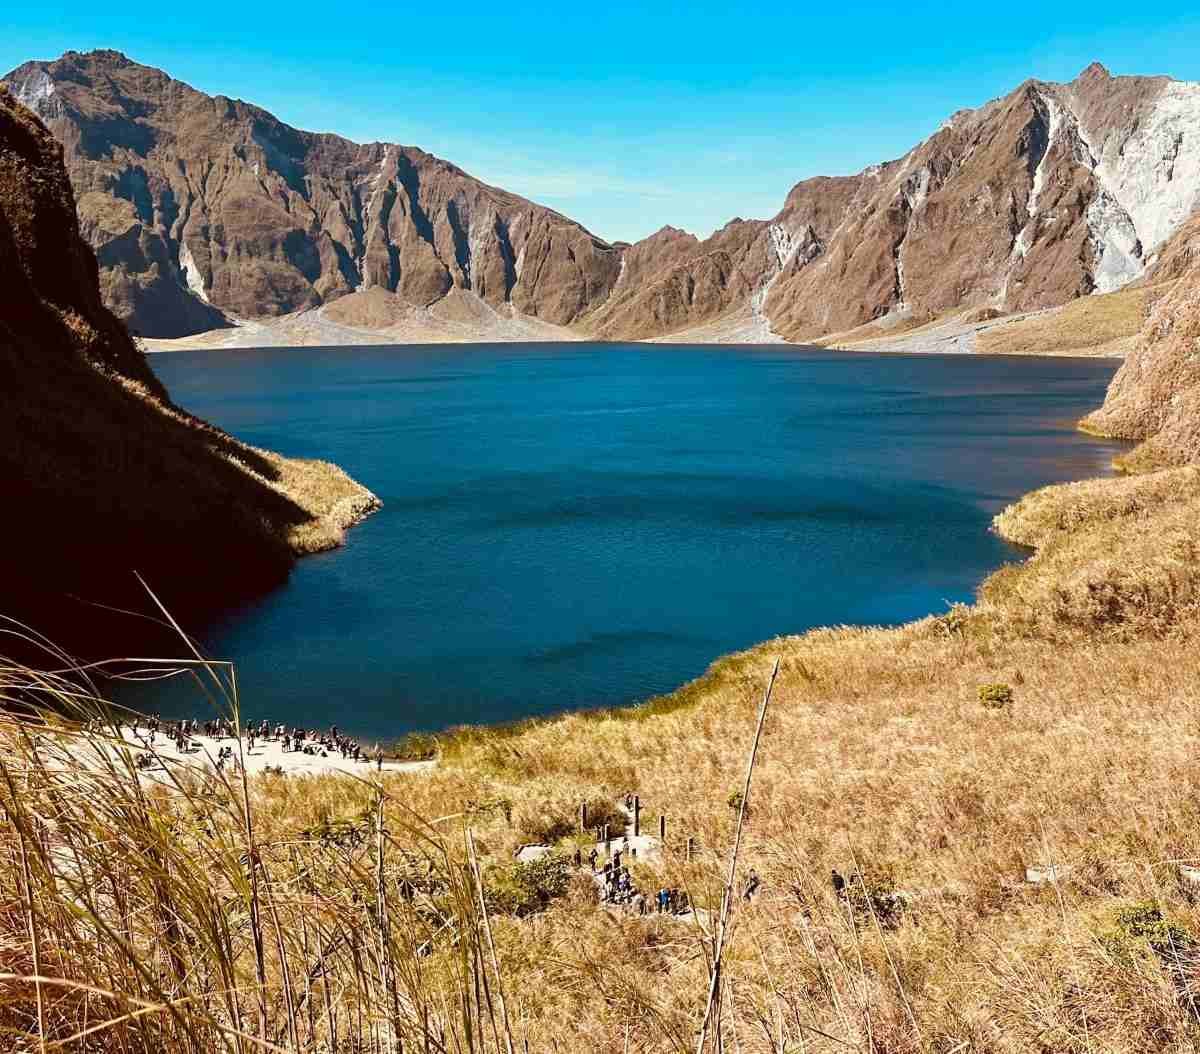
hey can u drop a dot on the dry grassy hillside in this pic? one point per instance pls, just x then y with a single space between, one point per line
1052 724
877 753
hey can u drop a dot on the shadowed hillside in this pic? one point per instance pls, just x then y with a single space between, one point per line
102 475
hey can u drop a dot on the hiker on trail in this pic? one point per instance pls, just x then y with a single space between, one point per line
838 883
592 859
639 903
616 858
752 883
662 900
577 859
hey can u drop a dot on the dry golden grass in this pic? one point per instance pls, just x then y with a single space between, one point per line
1104 325
1092 325
877 753
333 501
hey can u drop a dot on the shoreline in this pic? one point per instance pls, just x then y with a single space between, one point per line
1094 326
663 701
268 756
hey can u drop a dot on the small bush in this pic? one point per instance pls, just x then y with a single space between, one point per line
954 622
605 811
734 801
416 746
524 888
872 891
1143 925
546 822
995 696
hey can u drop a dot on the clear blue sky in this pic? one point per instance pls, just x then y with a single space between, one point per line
623 116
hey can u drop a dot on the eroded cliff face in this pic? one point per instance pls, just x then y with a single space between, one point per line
103 476
1155 395
203 207
1052 192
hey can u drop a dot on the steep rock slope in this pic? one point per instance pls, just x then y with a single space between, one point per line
672 281
201 207
1155 395
103 476
1052 192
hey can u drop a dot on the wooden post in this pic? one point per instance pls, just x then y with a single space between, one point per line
637 816
583 816
662 828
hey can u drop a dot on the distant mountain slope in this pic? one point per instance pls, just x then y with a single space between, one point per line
102 475
1052 192
201 205
201 208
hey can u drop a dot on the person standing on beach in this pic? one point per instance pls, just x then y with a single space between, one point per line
378 758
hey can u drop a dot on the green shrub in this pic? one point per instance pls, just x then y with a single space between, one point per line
548 822
995 696
545 822
1143 925
872 891
524 888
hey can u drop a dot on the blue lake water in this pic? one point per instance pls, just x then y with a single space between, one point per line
569 526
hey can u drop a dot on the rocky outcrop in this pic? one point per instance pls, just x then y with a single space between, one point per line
1155 395
201 207
103 476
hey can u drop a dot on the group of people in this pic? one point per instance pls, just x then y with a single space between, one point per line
293 739
618 888
322 744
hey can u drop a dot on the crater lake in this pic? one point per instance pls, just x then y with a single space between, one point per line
569 526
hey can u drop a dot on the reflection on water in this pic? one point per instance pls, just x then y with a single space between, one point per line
581 525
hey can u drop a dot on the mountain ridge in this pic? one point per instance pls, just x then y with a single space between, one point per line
207 211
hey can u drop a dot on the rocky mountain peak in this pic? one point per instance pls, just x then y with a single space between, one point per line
1096 71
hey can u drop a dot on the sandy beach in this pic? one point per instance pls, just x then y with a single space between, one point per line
269 754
